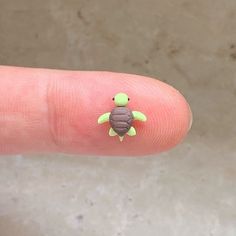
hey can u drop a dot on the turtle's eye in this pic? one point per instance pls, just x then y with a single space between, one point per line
128 99
113 99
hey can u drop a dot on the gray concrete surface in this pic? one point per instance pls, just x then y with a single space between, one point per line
191 190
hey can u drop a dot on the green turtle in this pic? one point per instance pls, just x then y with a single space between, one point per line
121 118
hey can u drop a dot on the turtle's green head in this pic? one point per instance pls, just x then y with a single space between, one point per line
121 99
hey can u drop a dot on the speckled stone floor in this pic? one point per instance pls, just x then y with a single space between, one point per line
190 190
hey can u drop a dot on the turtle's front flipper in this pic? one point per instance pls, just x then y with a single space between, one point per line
104 118
132 131
112 132
139 116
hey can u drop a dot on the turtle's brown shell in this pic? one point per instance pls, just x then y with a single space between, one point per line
121 119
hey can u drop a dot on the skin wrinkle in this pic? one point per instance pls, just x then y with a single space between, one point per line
52 122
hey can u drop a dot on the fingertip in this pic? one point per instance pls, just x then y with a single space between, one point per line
167 114
169 118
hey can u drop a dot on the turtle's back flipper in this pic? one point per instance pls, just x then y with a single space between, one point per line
112 132
132 131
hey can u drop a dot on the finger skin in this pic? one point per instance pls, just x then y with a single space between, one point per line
45 110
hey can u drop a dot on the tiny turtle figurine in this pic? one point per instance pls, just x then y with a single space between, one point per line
121 118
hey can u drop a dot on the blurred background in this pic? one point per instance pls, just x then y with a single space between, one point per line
190 190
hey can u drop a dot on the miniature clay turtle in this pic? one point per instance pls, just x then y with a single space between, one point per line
121 118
